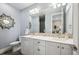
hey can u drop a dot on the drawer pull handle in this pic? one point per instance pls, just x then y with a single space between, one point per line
38 49
57 46
62 47
38 42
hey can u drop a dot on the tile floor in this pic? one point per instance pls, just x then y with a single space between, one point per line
12 53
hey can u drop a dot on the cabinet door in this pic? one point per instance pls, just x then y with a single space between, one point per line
39 50
66 49
52 48
36 52
27 46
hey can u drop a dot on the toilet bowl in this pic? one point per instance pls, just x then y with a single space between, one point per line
15 46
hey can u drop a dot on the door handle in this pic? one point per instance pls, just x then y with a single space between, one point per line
38 49
38 42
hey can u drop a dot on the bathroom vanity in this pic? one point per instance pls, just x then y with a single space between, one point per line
46 45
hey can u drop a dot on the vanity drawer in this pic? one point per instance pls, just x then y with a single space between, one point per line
48 43
25 39
39 42
39 50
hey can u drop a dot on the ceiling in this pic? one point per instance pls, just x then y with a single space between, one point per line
20 6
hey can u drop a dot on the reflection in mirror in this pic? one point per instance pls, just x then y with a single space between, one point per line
58 19
56 26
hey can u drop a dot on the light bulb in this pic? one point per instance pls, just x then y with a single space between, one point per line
63 4
5 21
35 10
58 5
53 5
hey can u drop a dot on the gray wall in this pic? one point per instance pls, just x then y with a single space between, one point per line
7 36
25 19
76 25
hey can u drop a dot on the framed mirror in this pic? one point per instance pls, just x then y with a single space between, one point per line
6 22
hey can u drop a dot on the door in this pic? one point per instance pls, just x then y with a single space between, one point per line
52 48
42 23
41 50
66 49
27 46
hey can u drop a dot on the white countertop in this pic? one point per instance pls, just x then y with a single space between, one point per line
53 39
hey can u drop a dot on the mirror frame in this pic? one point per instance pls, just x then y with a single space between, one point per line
3 25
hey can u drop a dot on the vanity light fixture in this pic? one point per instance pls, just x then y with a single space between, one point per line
34 11
64 4
56 5
59 5
53 5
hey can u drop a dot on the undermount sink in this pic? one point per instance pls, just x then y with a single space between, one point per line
50 37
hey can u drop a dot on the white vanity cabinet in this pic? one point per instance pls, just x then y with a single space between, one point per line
33 46
52 48
27 46
58 49
66 49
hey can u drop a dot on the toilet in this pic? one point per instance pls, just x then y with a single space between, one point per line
15 46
